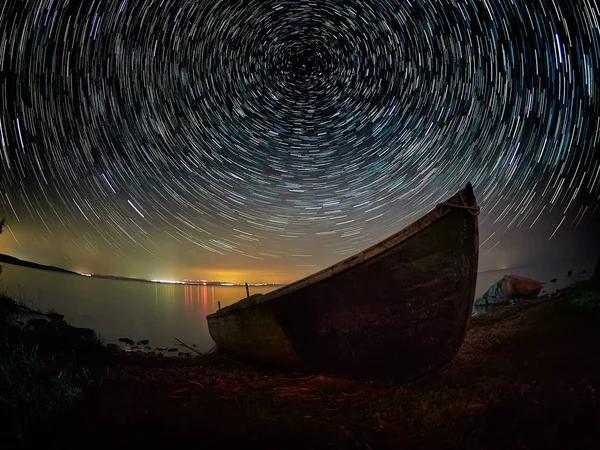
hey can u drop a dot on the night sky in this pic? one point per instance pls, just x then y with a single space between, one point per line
264 140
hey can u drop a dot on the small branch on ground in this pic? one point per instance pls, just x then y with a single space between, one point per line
191 348
129 375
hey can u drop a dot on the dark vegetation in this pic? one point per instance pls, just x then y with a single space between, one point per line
40 377
33 389
527 376
42 367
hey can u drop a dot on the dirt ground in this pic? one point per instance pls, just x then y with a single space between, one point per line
527 376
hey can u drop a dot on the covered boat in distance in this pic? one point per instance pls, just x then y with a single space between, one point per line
396 310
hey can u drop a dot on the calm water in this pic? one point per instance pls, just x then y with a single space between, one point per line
162 312
115 309
542 272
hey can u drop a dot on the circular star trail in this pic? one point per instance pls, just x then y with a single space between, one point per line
291 132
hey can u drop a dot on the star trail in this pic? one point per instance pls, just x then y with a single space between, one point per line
282 136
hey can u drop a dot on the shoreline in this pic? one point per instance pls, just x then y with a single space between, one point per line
527 375
13 261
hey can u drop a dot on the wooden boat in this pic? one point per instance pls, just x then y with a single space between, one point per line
396 310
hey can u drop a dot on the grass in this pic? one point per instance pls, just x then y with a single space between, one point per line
34 387
586 298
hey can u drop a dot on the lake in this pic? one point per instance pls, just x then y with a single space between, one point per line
117 308
162 312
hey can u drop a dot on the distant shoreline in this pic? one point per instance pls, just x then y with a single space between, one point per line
7 259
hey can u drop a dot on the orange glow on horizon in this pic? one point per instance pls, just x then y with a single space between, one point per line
242 276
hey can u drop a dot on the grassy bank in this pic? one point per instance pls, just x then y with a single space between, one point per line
41 376
32 390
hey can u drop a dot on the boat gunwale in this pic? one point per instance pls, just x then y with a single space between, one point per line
437 213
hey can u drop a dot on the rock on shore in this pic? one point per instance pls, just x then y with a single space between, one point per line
508 288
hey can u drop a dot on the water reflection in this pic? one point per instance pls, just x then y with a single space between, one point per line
162 312
198 298
115 308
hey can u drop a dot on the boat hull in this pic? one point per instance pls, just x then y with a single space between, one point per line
397 314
